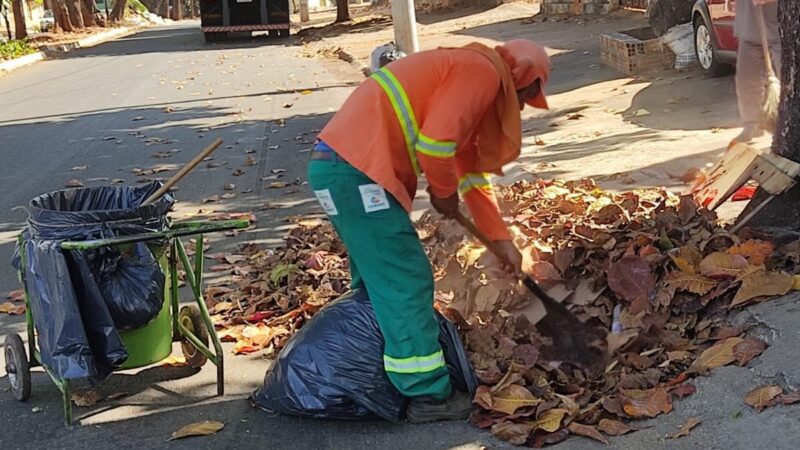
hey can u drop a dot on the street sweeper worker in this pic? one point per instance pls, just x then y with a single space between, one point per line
751 70
452 115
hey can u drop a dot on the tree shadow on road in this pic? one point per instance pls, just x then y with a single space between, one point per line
174 39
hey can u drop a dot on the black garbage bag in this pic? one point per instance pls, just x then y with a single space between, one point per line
71 299
333 367
132 284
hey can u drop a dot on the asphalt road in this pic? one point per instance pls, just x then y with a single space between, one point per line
112 107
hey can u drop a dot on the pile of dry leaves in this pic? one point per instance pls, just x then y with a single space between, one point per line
650 268
262 296
656 273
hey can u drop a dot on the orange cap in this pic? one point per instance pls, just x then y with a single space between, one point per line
528 61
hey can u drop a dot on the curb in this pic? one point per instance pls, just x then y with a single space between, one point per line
52 51
16 63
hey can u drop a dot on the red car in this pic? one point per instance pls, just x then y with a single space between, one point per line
714 42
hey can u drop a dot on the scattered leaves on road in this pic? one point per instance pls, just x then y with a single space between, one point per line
761 398
691 422
74 183
203 428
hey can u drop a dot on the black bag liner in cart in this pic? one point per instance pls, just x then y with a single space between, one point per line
81 298
333 367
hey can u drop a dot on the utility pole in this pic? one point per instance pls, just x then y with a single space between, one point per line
405 26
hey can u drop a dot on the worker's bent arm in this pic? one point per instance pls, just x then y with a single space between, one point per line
477 191
455 111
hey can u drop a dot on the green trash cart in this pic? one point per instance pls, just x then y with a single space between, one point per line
190 324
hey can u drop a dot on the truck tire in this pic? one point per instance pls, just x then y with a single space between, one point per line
215 36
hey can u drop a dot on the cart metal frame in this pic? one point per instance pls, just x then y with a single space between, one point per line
180 331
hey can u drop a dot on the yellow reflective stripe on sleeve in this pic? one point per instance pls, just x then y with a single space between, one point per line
437 149
474 180
402 109
414 364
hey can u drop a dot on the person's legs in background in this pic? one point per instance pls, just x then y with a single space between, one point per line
750 73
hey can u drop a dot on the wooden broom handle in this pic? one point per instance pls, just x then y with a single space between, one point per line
184 170
762 29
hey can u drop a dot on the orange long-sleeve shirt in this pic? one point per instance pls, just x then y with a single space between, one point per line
449 92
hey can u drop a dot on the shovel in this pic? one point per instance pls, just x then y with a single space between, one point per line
573 340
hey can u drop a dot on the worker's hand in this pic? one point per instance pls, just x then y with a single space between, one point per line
446 206
510 257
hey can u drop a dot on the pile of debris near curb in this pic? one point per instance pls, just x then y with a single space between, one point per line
655 271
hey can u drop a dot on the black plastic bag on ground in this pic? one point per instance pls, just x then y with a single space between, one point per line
77 334
333 367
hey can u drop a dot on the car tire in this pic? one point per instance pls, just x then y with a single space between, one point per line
706 52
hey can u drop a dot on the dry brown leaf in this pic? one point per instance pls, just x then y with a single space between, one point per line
277 185
631 278
760 284
513 397
694 283
613 427
86 398
213 199
723 265
203 428
514 433
587 431
748 349
760 398
12 309
789 398
250 161
718 355
645 403
174 361
550 420
687 258
755 251
686 428
74 183
683 390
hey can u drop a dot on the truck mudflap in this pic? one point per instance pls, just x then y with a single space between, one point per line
261 27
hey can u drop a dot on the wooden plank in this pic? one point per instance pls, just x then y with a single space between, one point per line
727 176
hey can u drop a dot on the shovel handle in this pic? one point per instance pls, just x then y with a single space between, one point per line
475 231
184 170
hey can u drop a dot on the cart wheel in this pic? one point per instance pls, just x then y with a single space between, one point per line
192 319
17 368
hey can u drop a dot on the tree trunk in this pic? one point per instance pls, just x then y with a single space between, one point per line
62 15
8 25
75 16
20 31
163 9
118 12
342 11
783 212
87 11
177 10
665 14
193 8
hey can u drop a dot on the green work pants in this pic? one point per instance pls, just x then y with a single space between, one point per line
387 259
